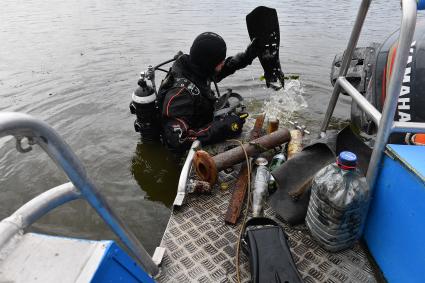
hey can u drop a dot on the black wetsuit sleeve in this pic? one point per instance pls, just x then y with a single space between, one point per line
234 63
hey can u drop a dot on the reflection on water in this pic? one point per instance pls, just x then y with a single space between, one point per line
156 170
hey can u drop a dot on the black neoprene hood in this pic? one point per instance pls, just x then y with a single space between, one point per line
207 51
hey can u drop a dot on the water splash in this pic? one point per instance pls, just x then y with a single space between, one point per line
284 104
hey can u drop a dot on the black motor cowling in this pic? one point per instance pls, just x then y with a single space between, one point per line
411 101
144 106
370 71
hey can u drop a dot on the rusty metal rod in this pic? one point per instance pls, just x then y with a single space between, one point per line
238 194
207 167
236 155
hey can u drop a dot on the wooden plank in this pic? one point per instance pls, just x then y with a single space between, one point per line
238 195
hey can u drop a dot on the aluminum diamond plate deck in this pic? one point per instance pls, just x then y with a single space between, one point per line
200 247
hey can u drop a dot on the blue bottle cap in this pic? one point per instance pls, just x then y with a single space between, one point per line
421 4
347 158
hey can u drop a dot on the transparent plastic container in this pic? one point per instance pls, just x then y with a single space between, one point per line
260 186
338 204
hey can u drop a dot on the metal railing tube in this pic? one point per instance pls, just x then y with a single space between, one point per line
348 54
407 30
360 100
19 125
408 127
35 209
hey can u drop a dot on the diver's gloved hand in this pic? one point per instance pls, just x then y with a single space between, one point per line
233 123
252 51
225 128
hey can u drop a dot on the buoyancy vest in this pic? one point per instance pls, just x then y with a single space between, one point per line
200 98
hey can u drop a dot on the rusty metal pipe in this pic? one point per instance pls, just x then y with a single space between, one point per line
207 167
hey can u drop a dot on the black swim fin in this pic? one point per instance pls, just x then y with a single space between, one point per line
269 255
263 24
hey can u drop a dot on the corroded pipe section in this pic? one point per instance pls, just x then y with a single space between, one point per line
207 167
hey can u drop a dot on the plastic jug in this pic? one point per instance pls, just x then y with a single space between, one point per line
338 204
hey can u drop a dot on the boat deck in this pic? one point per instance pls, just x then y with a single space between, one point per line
200 247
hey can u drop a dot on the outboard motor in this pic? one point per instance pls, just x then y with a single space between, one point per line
143 105
370 72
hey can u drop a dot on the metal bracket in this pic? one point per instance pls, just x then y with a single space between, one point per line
19 144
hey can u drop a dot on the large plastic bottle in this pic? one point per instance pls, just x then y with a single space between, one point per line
338 204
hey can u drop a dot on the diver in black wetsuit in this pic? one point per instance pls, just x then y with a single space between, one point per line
187 99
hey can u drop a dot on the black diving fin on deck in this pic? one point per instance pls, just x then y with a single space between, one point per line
263 25
269 255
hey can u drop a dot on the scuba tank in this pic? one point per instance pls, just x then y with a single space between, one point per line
143 105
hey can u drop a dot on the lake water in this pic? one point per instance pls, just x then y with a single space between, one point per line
74 64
